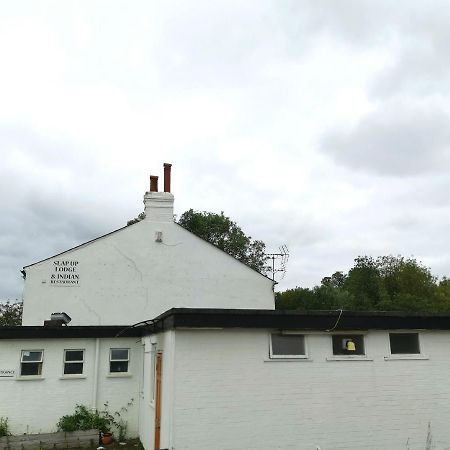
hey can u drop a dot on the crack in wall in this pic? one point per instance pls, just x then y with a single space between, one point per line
131 261
91 310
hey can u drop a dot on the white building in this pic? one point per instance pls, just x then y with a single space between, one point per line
212 365
140 271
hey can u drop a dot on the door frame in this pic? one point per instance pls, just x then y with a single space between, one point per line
158 383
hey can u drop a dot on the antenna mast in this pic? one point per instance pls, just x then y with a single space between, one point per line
281 259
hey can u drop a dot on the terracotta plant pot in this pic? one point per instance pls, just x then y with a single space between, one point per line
106 438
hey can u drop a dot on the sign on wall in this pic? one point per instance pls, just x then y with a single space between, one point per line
7 373
65 273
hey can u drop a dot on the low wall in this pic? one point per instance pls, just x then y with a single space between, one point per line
88 438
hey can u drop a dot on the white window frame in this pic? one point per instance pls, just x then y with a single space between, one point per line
349 335
288 333
41 362
119 360
76 362
347 357
397 356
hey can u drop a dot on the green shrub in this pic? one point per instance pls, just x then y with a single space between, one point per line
4 428
86 419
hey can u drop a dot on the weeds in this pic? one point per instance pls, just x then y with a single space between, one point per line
4 428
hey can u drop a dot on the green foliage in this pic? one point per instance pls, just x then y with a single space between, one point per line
141 216
386 283
120 423
122 428
10 314
222 232
85 419
4 427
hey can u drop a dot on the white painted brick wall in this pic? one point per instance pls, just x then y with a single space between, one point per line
228 397
35 406
164 343
127 277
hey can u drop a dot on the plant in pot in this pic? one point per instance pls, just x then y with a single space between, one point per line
106 437
85 418
104 424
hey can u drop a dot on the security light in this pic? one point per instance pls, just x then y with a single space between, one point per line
62 316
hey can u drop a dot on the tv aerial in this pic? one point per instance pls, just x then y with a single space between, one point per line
278 262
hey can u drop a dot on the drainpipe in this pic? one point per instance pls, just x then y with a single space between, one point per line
96 362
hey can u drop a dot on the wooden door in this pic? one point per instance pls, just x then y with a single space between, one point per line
158 373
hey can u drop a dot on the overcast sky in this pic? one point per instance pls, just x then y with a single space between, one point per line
321 125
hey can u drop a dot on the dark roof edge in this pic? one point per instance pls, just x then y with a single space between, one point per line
69 332
328 321
302 320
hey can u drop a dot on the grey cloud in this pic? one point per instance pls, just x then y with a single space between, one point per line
21 139
358 22
396 139
216 44
39 233
38 217
415 35
248 54
420 65
41 228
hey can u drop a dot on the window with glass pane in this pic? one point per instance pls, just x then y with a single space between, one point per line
31 362
73 362
119 359
287 346
348 344
404 343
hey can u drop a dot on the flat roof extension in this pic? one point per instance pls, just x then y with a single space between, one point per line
194 318
339 320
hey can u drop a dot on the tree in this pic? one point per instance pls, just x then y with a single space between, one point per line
225 234
385 283
391 283
10 314
336 280
365 283
141 216
297 298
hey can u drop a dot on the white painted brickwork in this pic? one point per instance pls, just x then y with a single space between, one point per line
228 397
164 343
127 277
35 405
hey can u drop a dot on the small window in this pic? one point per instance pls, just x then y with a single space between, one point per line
119 359
348 344
31 362
73 362
287 346
404 343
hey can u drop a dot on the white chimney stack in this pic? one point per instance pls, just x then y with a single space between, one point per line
159 205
